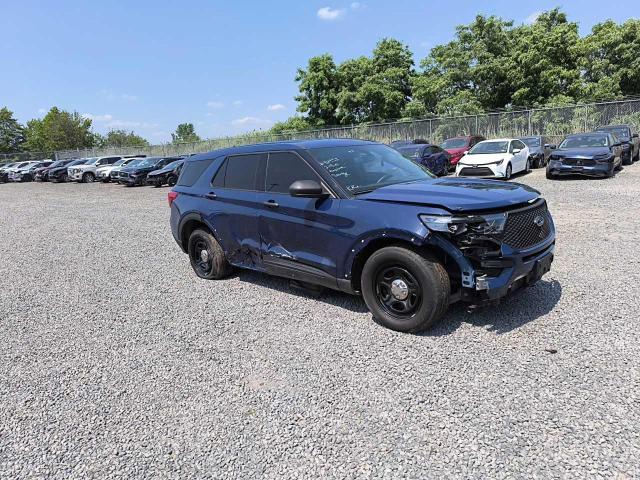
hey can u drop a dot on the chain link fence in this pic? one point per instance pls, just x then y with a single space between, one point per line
551 122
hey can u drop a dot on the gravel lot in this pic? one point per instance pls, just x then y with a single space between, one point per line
116 361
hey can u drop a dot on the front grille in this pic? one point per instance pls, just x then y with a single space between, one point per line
587 162
523 230
124 174
476 172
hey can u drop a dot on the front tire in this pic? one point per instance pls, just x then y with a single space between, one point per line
88 177
207 257
404 290
549 175
172 180
508 172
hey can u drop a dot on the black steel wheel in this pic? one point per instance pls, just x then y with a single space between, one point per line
207 257
171 180
405 290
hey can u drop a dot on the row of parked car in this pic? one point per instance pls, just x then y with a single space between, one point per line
128 170
598 154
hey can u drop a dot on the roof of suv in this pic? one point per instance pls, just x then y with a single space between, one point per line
285 145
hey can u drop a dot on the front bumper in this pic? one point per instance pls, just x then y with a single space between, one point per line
481 171
526 268
156 180
596 170
133 181
75 176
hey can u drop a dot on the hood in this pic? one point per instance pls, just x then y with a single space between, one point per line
456 194
536 150
137 170
457 151
484 158
582 152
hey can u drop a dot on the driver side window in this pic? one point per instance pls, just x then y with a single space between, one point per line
284 168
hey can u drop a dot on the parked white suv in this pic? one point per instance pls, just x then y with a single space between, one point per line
87 172
103 173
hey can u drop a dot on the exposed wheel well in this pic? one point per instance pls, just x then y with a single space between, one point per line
188 228
447 261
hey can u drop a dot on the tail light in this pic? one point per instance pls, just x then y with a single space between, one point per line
171 196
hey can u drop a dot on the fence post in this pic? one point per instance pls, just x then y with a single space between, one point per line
529 130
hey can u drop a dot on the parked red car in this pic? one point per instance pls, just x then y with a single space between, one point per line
456 146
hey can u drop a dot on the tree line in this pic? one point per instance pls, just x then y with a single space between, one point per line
491 64
62 130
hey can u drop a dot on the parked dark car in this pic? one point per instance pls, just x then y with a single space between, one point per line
539 150
359 217
458 146
630 141
590 154
41 174
434 158
136 174
166 175
59 174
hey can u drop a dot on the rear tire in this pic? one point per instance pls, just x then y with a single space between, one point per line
404 290
64 178
88 177
628 160
549 175
172 180
207 257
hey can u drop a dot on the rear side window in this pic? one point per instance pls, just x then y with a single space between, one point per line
191 172
285 168
239 172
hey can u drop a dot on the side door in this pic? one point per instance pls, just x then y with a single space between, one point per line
297 235
231 207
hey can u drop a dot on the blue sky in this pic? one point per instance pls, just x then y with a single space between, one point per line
227 67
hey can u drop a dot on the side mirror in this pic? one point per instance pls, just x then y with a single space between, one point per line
552 146
465 152
516 151
306 189
635 135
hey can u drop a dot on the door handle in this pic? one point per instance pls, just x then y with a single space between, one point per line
211 195
270 204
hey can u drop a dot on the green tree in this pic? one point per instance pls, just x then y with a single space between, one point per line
543 60
611 61
122 138
185 133
291 124
11 132
59 130
318 86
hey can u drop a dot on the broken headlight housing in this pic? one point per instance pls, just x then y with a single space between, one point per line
490 224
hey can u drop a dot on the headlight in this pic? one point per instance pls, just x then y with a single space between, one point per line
491 224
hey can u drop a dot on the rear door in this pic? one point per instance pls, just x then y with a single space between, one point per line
297 235
231 207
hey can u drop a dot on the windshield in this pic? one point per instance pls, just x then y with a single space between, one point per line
362 168
531 141
119 162
454 143
173 164
490 147
147 162
620 132
585 141
414 151
133 162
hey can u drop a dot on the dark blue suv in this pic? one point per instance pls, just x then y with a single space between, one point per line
359 217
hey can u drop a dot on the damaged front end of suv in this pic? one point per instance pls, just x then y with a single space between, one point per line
496 252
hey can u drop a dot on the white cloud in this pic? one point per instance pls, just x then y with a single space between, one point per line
533 17
42 110
98 118
237 103
129 98
215 104
356 6
275 107
330 14
130 124
244 121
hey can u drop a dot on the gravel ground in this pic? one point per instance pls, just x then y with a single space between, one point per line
116 361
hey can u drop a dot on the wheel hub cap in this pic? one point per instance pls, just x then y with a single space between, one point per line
204 255
399 289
